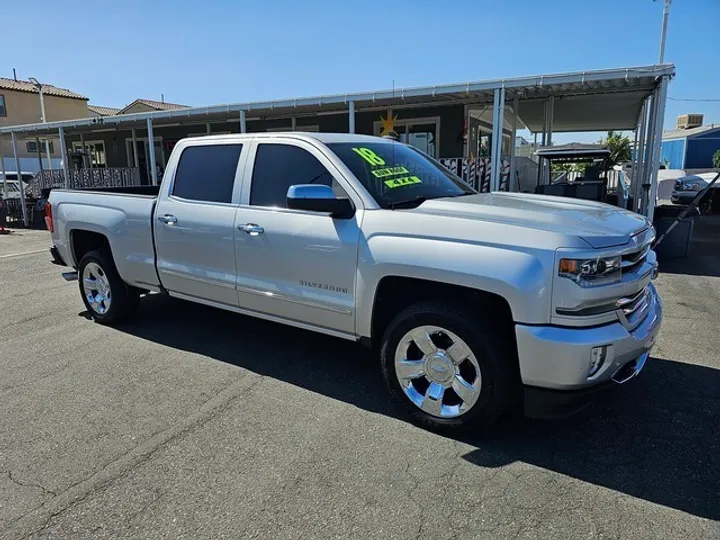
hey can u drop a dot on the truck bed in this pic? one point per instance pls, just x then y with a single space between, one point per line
123 215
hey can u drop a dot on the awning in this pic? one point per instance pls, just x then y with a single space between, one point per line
584 101
616 110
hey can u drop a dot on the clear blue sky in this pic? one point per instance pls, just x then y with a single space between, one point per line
203 53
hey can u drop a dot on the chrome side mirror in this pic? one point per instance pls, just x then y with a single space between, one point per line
319 198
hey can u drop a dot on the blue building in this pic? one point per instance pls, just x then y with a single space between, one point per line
690 147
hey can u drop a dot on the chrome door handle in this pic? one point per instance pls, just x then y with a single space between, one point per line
168 219
253 229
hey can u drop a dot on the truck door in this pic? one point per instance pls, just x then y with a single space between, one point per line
194 221
294 264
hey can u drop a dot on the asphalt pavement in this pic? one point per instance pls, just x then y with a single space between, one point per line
196 423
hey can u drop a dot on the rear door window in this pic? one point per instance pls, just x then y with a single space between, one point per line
207 173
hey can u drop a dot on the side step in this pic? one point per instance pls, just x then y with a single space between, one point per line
70 276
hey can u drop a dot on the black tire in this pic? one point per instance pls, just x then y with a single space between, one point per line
124 299
492 345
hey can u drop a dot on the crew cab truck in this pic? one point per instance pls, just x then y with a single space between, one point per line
476 302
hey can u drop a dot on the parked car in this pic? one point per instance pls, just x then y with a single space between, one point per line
475 301
687 187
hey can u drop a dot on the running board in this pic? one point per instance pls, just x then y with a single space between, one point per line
70 276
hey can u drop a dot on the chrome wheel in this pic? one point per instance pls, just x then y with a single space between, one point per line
437 371
96 288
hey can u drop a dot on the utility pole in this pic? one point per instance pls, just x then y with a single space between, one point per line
663 36
43 118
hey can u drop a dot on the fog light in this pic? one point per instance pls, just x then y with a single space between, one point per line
597 359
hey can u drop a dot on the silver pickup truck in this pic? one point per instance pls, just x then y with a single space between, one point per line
476 302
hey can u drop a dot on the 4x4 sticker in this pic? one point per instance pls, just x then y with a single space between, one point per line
404 181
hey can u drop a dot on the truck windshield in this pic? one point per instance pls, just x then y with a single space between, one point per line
397 175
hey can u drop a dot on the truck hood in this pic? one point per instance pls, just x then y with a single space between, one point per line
600 225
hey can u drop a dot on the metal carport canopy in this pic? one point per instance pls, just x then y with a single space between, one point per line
584 101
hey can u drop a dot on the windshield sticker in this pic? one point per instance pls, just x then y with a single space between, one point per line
368 155
391 171
404 181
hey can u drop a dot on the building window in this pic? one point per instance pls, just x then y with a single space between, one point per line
3 110
94 149
32 147
422 133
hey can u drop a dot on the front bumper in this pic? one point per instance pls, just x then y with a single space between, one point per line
683 197
557 359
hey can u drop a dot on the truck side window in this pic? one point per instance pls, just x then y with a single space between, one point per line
207 173
279 166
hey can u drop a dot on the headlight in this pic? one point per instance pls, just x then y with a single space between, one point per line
589 272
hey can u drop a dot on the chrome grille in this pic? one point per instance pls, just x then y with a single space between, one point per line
633 309
630 261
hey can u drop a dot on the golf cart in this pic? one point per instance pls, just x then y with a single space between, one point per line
581 171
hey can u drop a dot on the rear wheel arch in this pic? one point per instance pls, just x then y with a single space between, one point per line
83 241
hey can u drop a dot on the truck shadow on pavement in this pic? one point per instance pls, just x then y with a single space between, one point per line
658 439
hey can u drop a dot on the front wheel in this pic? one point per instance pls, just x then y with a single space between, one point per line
452 370
108 299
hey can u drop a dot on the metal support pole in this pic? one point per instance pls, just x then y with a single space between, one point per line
640 150
4 173
663 32
497 133
513 184
293 124
151 152
47 152
26 220
136 161
208 129
637 156
243 126
45 119
649 148
86 155
351 117
657 142
551 117
542 163
39 152
64 155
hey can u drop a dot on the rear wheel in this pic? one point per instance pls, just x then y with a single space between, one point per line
108 299
452 370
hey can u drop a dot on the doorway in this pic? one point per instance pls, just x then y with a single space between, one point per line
143 153
422 133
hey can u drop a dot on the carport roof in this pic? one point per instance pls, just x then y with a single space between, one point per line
595 100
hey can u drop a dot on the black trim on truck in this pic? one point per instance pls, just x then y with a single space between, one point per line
56 258
548 404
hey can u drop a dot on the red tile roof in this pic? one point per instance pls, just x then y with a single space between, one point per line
48 89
